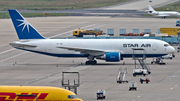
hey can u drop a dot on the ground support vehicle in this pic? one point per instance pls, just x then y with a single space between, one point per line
121 76
82 32
177 23
132 86
119 81
170 31
140 72
101 94
144 80
178 49
159 61
169 56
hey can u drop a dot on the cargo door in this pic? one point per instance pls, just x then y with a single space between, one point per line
154 46
49 47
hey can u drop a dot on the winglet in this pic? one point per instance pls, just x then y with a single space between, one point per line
23 28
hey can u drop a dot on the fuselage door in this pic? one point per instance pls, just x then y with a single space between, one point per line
154 46
49 47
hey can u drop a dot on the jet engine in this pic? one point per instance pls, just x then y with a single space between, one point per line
110 57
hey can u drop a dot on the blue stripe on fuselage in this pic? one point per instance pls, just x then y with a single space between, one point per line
141 55
57 55
86 55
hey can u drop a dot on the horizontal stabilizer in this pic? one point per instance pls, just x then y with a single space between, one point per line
21 45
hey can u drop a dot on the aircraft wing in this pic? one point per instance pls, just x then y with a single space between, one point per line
163 15
93 52
21 45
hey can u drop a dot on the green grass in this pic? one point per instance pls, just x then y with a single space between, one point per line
172 7
55 4
148 15
6 15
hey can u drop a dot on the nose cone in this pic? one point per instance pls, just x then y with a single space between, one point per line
171 49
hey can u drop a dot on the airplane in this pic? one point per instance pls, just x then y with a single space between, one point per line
162 14
36 93
111 50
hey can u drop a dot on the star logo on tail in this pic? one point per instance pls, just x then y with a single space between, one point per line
25 23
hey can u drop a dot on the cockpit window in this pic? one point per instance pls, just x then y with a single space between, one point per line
72 96
166 45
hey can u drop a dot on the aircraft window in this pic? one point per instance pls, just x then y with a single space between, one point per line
166 45
72 96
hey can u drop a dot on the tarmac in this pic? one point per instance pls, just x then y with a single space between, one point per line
30 69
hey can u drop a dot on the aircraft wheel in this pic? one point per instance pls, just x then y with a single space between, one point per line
87 62
93 62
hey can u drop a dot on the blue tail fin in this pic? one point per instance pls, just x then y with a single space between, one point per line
23 28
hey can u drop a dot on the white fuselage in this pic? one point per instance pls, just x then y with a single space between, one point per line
97 47
165 13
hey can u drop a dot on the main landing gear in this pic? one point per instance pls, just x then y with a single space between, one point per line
91 60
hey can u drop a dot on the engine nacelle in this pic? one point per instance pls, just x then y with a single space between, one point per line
111 57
